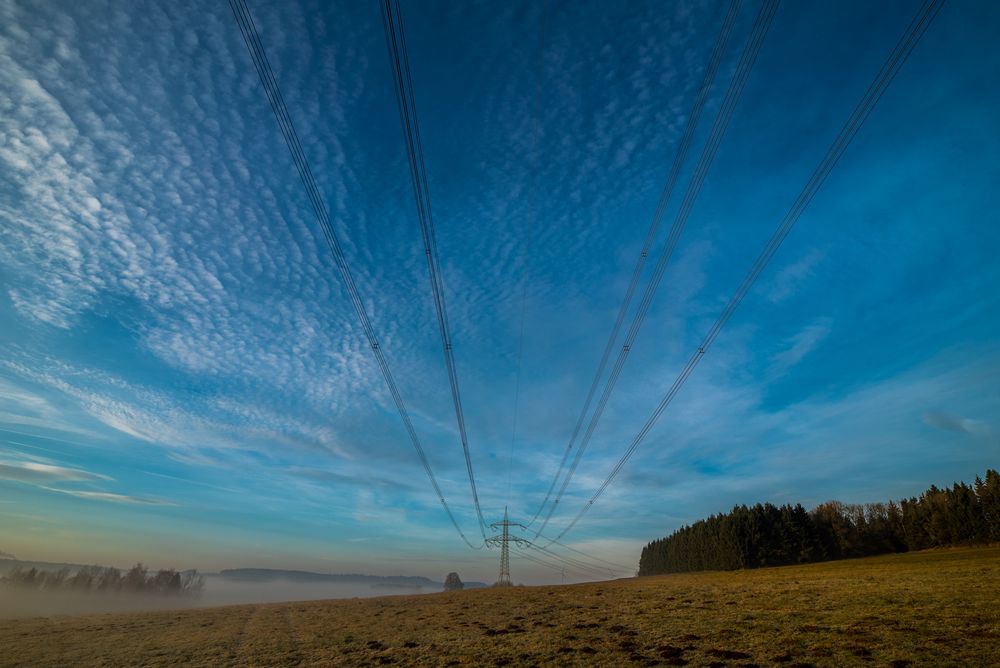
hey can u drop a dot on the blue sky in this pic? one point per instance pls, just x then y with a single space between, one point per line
183 380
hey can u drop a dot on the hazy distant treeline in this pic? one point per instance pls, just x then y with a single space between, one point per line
767 535
137 579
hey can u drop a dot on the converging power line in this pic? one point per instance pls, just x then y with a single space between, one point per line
722 119
395 39
252 40
897 58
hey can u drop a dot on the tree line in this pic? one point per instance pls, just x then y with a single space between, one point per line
137 579
769 535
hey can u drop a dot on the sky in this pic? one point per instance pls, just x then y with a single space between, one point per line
183 380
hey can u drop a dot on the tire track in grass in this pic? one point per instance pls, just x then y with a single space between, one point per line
240 640
269 638
295 656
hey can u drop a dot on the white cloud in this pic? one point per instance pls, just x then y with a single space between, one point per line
114 498
43 475
151 415
37 472
800 345
790 278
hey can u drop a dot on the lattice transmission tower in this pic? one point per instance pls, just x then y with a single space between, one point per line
503 542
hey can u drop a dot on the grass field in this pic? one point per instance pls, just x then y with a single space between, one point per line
937 608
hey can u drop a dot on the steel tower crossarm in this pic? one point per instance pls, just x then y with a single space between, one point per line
503 541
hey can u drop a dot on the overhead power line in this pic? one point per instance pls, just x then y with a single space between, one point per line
721 123
682 148
395 39
539 558
582 569
897 58
617 566
559 568
536 113
251 38
573 561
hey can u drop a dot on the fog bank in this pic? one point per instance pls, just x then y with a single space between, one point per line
19 602
224 591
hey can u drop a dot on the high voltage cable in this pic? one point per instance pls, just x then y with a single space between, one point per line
578 563
525 554
576 566
723 117
683 146
897 58
569 560
540 558
557 566
584 554
598 563
251 38
395 39
719 126
532 221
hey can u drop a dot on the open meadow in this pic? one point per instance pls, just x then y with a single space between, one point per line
934 608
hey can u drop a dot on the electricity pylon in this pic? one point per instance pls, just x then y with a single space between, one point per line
503 541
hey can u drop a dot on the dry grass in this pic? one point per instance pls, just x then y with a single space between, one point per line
937 608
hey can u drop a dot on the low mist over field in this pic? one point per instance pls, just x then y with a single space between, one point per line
226 588
15 602
221 591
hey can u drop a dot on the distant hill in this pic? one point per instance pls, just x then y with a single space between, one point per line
389 581
267 575
7 564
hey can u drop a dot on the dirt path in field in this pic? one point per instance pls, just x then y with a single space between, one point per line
268 632
295 656
238 644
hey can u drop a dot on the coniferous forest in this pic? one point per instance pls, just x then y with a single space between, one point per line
768 535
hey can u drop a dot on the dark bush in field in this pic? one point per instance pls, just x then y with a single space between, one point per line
453 582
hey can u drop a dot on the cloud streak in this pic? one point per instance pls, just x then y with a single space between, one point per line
36 472
800 345
111 497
